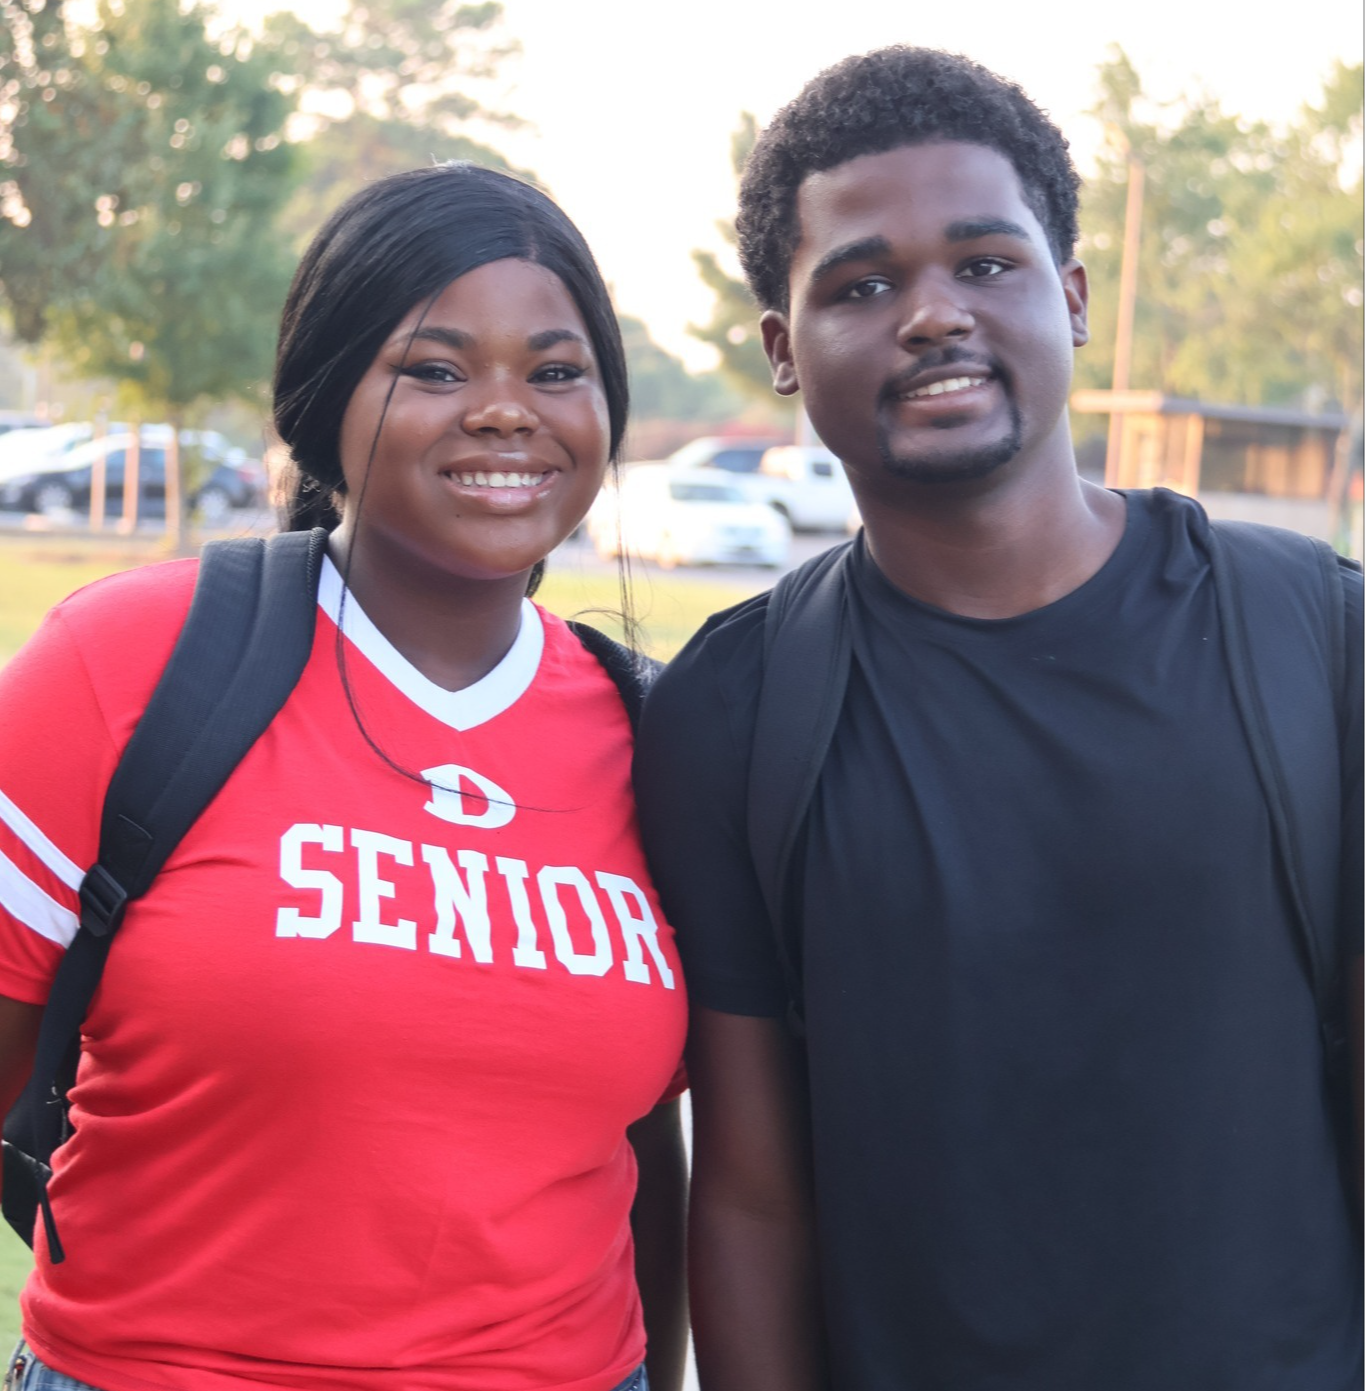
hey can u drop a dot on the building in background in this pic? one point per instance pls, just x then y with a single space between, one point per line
1253 463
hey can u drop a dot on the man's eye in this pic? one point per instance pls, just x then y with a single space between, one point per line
984 268
867 288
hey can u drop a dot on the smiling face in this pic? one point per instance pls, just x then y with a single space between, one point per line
930 331
494 438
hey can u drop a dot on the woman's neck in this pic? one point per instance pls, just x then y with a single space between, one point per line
453 628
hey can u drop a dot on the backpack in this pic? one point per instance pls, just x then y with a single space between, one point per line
1280 604
244 645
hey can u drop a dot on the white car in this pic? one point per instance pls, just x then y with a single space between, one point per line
678 518
806 483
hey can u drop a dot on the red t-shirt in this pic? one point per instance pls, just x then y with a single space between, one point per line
353 1095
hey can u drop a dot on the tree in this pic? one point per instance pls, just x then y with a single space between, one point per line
65 140
733 329
661 388
181 274
1250 268
1304 247
391 88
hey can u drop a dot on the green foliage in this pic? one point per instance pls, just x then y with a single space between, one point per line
662 388
346 155
150 202
1249 281
64 139
392 88
733 327
405 60
180 273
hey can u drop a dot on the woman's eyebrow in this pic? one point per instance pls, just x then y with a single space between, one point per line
547 338
450 337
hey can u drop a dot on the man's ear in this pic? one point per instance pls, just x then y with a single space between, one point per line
777 343
1076 288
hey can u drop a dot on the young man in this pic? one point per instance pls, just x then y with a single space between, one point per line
1060 1119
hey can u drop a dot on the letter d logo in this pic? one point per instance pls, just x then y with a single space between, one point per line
481 803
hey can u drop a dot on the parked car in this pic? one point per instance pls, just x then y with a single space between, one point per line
57 484
23 451
21 420
804 482
679 518
711 451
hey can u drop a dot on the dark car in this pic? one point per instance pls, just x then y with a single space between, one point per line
58 486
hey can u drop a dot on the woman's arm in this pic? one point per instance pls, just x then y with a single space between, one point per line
754 1279
18 1034
658 1221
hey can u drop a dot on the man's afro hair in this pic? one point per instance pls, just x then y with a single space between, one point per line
879 101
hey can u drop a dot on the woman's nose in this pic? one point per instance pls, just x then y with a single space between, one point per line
499 411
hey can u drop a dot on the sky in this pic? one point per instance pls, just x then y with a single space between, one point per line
631 104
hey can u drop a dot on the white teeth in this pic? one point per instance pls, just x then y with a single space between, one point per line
939 388
500 480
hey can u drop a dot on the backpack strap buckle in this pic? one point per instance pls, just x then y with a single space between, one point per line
103 901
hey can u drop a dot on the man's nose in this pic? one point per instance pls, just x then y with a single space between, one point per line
934 312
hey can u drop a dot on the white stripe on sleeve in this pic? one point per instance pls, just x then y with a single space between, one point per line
66 870
32 906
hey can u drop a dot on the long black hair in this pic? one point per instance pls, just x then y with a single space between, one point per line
398 243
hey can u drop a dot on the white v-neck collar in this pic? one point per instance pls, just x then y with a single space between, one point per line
476 704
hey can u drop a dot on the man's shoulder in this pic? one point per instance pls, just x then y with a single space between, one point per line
727 652
724 657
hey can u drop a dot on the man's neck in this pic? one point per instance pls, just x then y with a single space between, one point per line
1000 551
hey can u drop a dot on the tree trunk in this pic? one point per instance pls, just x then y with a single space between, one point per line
175 493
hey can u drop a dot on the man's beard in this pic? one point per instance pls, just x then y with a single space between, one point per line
964 467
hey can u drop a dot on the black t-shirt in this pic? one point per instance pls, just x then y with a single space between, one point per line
1069 1118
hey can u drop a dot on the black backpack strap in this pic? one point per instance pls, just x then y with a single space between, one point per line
1282 614
632 671
240 653
806 655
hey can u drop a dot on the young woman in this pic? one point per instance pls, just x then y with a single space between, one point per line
355 1092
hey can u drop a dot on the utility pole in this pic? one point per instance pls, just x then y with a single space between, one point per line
1123 338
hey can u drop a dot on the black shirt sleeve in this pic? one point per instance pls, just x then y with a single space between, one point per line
691 778
1352 894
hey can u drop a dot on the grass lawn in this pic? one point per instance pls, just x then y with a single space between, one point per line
15 1259
670 609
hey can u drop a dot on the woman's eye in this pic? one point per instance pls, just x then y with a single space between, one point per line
984 268
431 372
558 372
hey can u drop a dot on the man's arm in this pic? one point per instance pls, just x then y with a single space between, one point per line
658 1221
752 1263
